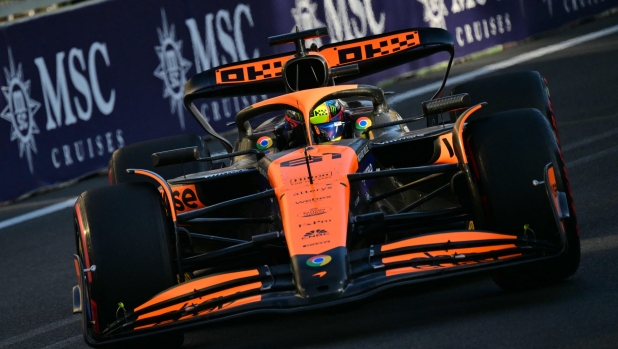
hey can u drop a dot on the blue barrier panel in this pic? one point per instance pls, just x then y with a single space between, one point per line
82 82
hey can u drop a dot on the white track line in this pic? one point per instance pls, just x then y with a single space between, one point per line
587 159
604 243
38 331
38 213
588 140
504 64
66 342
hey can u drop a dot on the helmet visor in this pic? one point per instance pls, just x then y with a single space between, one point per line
330 131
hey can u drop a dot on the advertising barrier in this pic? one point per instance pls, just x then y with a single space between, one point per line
83 82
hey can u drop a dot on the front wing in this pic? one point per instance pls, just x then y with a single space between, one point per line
271 289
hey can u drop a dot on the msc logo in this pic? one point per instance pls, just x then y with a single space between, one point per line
184 198
172 68
20 110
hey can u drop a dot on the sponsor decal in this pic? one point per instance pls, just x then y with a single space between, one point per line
315 234
436 11
223 42
319 274
371 48
319 221
262 172
315 212
20 110
369 168
362 123
224 173
341 24
317 243
262 70
319 261
362 153
218 109
81 66
305 17
72 100
312 191
574 6
305 180
312 159
172 67
264 142
483 29
184 198
318 199
402 139
301 161
89 148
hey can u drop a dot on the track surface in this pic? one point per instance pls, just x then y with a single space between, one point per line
37 271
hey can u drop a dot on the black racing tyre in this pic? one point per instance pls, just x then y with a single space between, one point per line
507 151
138 156
504 92
124 231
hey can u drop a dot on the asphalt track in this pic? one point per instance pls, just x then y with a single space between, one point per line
37 272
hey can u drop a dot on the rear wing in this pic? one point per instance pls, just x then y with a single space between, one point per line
373 54
265 75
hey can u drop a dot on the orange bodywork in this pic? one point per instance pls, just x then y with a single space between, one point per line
82 236
551 178
184 198
198 301
163 186
370 48
271 68
225 306
421 268
423 255
197 284
464 117
464 236
268 68
325 203
447 154
453 237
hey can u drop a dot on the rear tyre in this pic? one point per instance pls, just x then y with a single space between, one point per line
507 151
124 231
504 92
138 156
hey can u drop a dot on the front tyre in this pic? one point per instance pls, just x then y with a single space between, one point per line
507 151
124 231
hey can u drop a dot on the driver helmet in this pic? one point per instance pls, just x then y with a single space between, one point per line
327 120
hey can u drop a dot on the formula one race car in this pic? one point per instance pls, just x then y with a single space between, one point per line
329 198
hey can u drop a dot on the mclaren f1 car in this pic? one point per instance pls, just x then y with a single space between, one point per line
327 196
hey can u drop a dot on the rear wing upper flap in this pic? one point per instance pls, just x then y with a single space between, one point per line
372 54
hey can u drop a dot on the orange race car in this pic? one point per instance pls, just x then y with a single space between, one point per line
326 197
